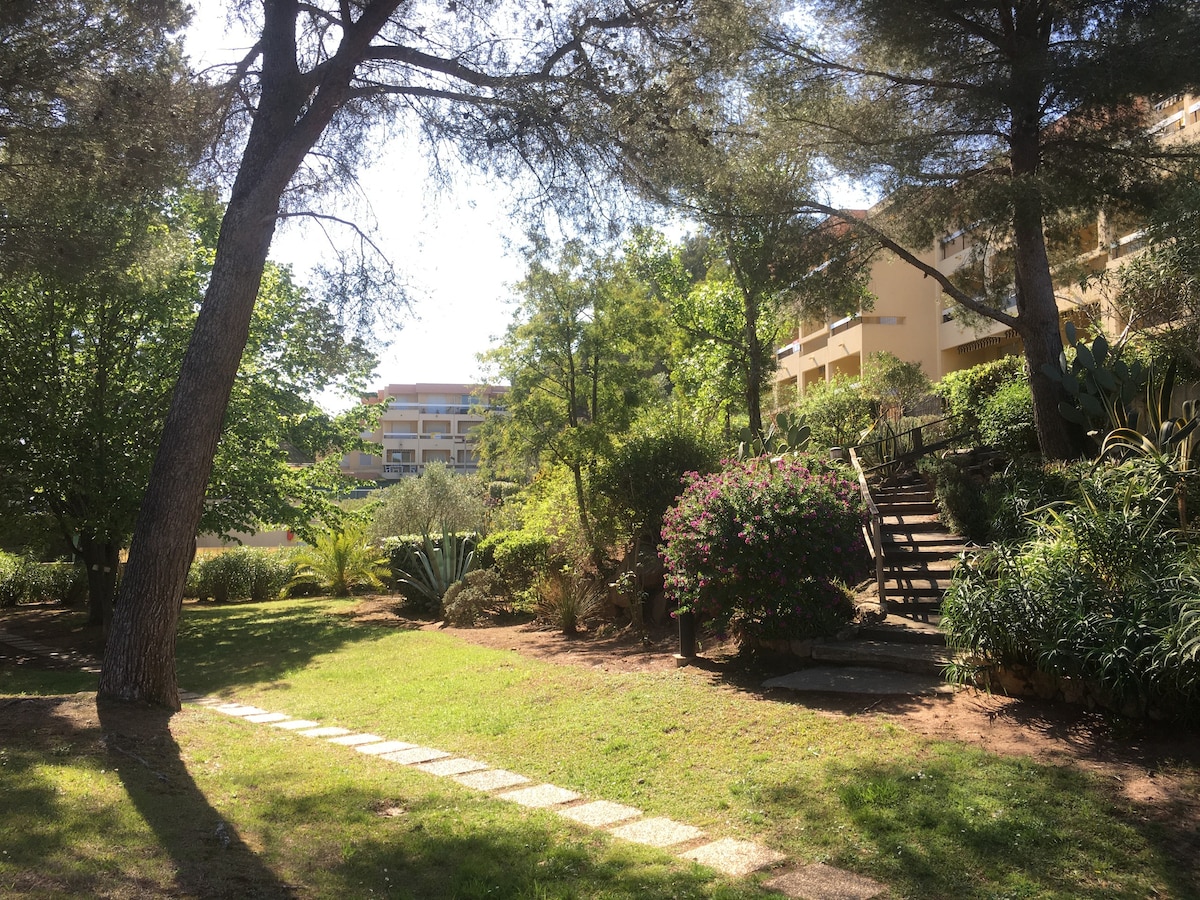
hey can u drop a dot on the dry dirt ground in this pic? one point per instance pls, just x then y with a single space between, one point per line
1158 767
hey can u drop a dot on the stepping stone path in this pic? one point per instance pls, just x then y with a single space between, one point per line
730 857
733 858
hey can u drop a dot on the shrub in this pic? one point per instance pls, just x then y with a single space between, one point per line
966 392
644 476
478 594
243 573
837 412
23 580
568 600
762 546
519 558
1007 421
1105 590
59 582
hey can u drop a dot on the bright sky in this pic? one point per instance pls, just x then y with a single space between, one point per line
451 248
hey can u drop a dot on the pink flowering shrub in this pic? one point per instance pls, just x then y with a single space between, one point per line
764 547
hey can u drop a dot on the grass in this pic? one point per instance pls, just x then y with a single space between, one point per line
929 818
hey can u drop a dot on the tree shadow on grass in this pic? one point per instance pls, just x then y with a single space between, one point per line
62 836
210 858
228 646
966 825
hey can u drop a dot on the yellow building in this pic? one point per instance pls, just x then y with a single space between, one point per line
424 423
914 320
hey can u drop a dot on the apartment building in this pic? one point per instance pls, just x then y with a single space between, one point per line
423 423
914 320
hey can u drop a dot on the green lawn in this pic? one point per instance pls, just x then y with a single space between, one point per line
928 818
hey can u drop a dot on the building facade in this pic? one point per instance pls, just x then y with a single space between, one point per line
423 423
913 319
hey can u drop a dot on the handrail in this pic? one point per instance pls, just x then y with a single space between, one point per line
919 447
874 527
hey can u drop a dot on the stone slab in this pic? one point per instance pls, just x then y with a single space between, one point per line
822 882
491 780
859 680
326 731
734 858
385 747
600 813
541 796
296 724
353 740
452 766
239 710
660 832
414 755
266 718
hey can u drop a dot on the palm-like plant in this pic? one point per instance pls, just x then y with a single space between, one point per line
340 562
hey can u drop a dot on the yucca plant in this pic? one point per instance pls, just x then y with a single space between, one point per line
436 566
340 562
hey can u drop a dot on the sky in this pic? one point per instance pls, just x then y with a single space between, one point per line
457 250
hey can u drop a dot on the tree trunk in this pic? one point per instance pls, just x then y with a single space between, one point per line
139 659
292 114
1037 308
102 560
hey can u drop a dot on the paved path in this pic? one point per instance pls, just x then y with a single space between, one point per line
731 857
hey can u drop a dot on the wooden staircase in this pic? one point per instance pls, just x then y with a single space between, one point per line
917 552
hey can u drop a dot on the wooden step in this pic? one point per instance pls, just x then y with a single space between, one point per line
907 508
901 630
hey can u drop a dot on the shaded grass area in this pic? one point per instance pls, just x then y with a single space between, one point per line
931 819
136 804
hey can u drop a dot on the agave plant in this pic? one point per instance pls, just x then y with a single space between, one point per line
340 562
1169 442
437 566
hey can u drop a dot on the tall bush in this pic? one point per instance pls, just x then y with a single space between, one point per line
1105 590
764 547
966 391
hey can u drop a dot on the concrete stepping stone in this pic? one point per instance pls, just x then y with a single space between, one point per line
353 740
541 796
734 858
296 724
660 832
860 680
239 710
384 747
600 813
491 780
266 718
326 731
452 766
414 755
822 882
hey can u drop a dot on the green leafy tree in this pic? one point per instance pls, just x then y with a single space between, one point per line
895 383
438 500
1000 118
580 355
86 370
573 85
837 411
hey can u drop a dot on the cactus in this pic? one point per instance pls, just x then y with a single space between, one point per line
787 433
1101 388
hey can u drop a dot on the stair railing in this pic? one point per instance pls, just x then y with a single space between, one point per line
873 529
